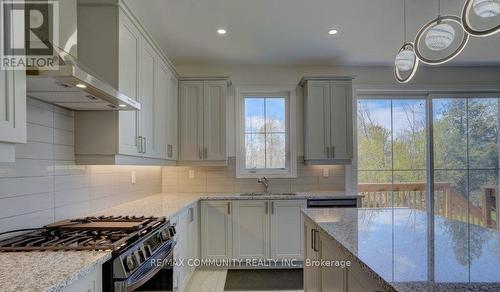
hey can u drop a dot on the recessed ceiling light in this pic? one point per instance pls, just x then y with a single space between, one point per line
80 85
332 31
221 31
122 105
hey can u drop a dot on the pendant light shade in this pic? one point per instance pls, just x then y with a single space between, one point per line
406 63
440 40
481 18
405 60
439 36
486 8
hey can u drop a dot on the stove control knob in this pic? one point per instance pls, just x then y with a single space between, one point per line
129 263
172 231
165 235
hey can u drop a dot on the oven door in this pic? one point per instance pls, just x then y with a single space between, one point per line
151 275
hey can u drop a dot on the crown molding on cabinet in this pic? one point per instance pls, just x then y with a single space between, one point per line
306 78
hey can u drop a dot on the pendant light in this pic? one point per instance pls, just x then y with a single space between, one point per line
406 63
481 18
441 39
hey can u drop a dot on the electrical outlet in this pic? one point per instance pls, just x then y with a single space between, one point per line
191 173
133 177
326 172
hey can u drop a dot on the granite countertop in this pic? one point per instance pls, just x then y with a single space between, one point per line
395 247
47 271
53 271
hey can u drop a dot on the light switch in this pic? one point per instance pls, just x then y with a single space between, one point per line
191 173
326 172
133 177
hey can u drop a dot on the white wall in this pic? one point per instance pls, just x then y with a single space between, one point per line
44 184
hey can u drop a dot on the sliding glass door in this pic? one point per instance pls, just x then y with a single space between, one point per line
392 143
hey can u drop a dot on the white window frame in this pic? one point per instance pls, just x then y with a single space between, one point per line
291 127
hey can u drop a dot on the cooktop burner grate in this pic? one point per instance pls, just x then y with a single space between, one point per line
90 233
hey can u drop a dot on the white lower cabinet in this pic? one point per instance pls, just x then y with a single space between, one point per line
325 278
286 231
89 283
216 230
187 245
251 229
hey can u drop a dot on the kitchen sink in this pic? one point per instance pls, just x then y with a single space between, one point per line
266 194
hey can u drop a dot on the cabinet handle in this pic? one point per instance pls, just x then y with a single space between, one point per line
139 144
267 208
327 151
145 145
312 239
333 151
228 208
205 152
191 215
316 232
272 208
199 153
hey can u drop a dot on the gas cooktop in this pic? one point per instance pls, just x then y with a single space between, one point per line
89 233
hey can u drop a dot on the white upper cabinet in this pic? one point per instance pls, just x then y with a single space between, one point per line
135 66
12 112
202 117
328 126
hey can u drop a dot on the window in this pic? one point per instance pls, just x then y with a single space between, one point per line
264 133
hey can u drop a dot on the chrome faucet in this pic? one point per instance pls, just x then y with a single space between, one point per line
263 180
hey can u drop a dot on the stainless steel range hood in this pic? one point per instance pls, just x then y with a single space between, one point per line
73 85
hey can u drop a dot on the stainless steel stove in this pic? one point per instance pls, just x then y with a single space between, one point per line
138 244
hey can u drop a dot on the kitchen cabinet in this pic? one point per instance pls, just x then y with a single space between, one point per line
328 128
187 246
202 122
91 282
12 112
251 229
114 45
286 232
311 254
326 277
216 229
244 229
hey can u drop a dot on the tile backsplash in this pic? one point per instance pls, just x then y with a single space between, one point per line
45 185
223 179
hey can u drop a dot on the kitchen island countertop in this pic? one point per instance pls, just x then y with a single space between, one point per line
394 248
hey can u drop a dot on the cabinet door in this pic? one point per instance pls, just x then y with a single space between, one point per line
333 279
12 112
191 120
286 229
193 235
148 99
311 272
317 120
216 230
341 119
91 282
162 111
129 68
214 120
251 229
172 118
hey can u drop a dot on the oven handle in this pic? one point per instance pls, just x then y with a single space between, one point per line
159 256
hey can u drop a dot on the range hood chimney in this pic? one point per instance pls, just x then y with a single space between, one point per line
72 85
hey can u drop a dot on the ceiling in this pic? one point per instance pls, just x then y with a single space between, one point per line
295 32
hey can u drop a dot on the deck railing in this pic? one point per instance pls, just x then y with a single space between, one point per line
447 201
